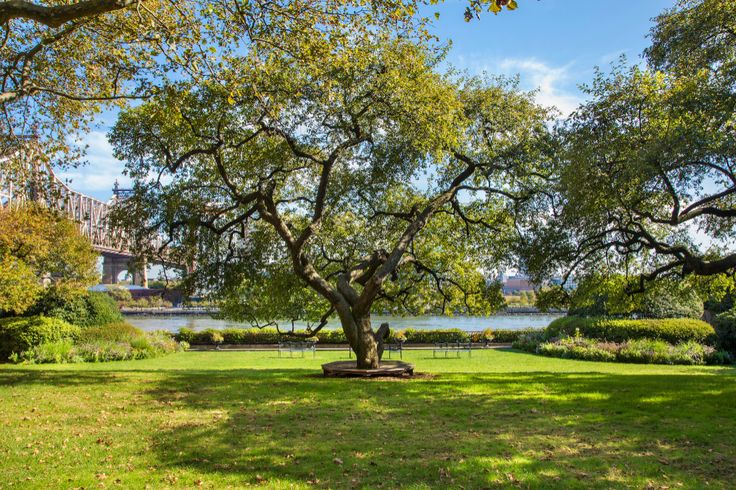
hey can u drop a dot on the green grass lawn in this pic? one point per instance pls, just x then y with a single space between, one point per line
235 419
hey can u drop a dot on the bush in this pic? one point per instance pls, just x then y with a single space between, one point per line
642 351
673 330
18 334
433 336
101 349
119 294
85 310
484 336
578 348
528 342
645 351
113 332
510 336
725 326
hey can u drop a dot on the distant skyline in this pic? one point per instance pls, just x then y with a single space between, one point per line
553 45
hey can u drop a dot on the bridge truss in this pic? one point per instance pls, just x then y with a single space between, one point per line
25 176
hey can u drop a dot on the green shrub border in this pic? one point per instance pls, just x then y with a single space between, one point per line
255 336
672 330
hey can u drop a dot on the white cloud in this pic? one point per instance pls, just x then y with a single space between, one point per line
97 178
555 85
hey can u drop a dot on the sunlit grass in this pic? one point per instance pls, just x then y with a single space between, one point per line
501 418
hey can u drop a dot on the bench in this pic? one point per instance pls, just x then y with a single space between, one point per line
392 347
456 347
301 347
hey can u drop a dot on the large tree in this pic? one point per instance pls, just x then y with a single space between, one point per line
40 249
363 180
646 176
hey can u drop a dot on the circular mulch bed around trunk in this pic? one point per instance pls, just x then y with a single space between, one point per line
387 368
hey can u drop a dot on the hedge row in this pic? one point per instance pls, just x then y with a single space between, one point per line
672 330
235 336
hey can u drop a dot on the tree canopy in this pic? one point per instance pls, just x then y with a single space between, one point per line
645 181
38 246
360 180
62 63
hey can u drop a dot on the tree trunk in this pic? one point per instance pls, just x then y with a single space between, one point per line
364 343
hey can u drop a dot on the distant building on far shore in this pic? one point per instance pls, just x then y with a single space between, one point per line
517 283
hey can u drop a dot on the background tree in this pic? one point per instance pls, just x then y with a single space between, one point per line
40 253
360 181
645 177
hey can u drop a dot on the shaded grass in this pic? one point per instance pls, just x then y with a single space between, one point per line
500 419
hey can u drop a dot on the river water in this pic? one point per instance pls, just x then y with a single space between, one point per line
467 323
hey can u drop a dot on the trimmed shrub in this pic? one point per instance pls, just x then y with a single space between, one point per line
433 336
510 336
673 330
271 336
725 325
18 334
334 336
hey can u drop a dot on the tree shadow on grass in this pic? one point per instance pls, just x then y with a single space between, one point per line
472 430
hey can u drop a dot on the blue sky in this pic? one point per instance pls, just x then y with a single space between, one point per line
553 45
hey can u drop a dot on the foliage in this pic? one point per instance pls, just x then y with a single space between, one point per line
65 62
508 336
433 336
85 309
37 246
647 160
725 326
322 175
236 336
147 302
119 294
644 351
610 295
110 332
19 286
528 341
272 336
18 334
113 342
674 330
484 336
576 348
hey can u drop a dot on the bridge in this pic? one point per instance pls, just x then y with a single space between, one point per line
25 176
